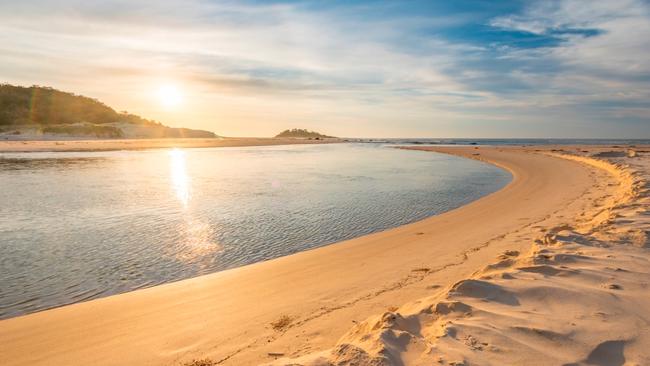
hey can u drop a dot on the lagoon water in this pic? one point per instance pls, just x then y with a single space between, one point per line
83 225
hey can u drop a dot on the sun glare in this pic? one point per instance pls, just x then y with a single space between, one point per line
169 96
179 177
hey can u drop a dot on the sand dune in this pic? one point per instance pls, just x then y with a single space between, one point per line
578 296
550 270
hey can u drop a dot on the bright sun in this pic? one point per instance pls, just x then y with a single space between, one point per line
169 96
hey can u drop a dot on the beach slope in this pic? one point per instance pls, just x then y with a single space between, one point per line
576 296
301 305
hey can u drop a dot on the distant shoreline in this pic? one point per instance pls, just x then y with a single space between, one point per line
143 144
92 144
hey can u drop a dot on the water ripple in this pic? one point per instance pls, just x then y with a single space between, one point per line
78 226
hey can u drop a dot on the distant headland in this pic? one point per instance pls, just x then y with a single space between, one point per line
302 134
38 112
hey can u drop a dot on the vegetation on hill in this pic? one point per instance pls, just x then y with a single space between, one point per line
302 133
58 112
84 129
47 106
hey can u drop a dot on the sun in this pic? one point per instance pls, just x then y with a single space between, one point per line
169 96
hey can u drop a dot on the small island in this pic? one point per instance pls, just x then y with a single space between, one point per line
300 133
43 113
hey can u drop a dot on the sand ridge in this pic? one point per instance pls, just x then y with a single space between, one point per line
577 296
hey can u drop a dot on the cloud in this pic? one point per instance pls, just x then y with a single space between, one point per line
602 60
427 66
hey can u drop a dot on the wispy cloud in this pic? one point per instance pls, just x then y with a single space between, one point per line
601 62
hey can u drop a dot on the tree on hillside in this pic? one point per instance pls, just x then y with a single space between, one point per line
47 106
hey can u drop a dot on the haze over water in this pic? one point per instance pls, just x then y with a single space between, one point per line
78 226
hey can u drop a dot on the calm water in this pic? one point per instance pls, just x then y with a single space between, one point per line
507 142
77 226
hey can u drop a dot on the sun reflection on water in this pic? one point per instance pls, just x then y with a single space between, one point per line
196 241
179 177
196 235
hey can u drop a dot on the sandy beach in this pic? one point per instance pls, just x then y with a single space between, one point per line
140 144
486 201
552 269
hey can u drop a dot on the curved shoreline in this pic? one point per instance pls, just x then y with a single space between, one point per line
576 295
227 315
337 213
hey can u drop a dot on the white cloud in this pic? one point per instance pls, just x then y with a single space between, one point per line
611 67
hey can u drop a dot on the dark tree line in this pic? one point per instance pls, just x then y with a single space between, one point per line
47 106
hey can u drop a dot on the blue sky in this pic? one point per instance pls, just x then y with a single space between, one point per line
562 68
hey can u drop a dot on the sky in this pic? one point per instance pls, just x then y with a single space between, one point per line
479 68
